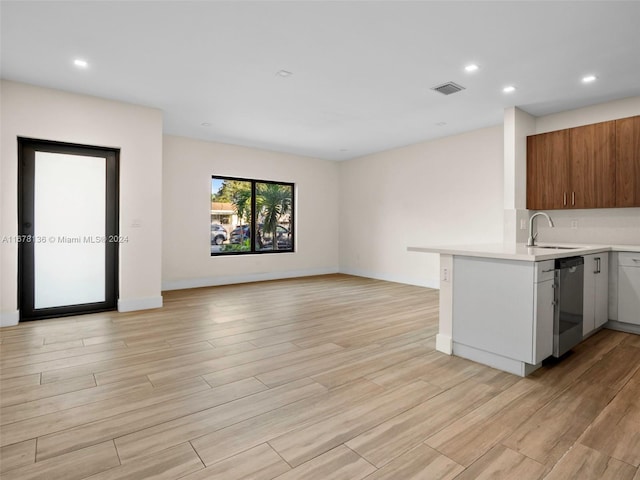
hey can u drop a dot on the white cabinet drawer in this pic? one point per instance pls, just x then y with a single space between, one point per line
629 259
545 270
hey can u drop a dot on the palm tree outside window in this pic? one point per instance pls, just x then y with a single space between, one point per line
261 214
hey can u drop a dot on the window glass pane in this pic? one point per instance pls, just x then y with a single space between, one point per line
230 215
238 205
70 265
274 204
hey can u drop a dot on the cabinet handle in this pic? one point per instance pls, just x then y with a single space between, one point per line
597 265
573 198
564 199
553 269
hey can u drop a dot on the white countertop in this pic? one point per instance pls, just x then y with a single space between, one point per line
519 251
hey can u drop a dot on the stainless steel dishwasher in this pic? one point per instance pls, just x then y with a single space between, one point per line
568 315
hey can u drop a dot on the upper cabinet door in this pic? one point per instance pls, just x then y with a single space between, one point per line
547 170
628 162
593 166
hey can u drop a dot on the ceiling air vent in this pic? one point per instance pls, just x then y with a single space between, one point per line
448 88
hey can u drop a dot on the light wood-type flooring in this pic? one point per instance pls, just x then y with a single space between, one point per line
330 377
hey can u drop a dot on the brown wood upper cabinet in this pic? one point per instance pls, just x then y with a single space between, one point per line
594 166
628 162
593 170
547 170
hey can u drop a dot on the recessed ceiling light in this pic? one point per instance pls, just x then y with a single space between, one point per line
471 68
80 63
589 79
205 124
509 89
284 73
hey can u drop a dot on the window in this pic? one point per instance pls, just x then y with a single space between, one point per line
251 216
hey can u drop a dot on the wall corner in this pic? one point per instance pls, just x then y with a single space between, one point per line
517 126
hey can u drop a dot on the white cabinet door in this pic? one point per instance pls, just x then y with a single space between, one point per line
589 305
602 290
596 291
629 288
543 341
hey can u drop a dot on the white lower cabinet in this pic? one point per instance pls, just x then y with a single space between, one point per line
629 287
503 312
543 317
596 291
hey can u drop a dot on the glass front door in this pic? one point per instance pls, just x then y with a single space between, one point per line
68 241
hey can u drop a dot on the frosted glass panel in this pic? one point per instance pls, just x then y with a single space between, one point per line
69 230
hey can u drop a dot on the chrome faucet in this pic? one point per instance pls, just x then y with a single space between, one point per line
531 241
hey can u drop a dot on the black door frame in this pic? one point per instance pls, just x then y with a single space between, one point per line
27 147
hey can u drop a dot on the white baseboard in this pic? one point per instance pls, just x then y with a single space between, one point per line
133 304
444 344
493 360
9 319
233 279
420 282
623 327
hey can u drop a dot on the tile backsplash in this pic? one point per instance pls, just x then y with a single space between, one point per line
617 226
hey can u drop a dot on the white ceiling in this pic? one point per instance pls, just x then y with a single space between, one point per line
362 71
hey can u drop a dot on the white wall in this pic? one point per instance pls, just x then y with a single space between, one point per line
447 191
603 112
517 125
35 112
187 170
357 217
605 225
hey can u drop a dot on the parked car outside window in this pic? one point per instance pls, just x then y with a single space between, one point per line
218 234
243 232
266 205
240 233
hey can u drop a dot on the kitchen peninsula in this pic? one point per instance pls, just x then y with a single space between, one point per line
497 301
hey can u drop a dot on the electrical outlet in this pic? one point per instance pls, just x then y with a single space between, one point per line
445 274
574 224
523 224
